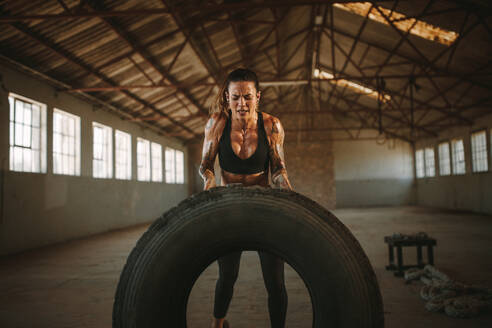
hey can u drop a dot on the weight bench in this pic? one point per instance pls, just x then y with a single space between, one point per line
399 240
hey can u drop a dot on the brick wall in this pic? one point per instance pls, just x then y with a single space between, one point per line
310 166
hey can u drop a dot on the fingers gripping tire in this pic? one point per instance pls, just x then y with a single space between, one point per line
162 268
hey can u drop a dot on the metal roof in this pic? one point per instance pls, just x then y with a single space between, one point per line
160 62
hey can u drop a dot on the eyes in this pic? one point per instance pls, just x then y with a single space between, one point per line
246 97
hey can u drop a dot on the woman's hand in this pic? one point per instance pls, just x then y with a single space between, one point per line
209 180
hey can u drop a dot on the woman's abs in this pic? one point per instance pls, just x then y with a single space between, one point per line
256 179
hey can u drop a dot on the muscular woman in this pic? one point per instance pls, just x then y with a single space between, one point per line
248 143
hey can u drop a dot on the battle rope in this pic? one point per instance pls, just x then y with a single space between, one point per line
442 294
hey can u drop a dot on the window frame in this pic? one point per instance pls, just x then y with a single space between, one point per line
419 168
15 148
449 158
432 148
77 143
170 176
128 168
159 176
180 179
453 156
108 174
174 174
490 148
487 164
147 165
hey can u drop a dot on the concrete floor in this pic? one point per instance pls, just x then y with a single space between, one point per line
73 284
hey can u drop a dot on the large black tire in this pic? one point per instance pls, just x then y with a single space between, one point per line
160 272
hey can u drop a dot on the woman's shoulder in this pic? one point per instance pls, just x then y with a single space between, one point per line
269 121
216 123
218 117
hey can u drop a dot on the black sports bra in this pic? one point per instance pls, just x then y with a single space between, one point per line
230 162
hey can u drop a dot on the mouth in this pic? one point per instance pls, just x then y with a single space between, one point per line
243 111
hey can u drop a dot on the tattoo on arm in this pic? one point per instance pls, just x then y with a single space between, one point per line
210 148
208 159
275 129
210 123
278 170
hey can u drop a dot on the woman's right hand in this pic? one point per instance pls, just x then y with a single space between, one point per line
209 183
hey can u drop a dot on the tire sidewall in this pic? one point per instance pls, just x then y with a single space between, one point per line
315 245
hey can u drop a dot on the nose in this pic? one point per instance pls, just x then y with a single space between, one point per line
241 102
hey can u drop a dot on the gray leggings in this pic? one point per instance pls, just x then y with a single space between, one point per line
273 275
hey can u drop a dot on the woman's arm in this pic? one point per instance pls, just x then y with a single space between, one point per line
277 162
213 131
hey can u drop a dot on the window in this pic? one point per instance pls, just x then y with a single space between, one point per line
444 161
174 166
179 166
66 143
156 162
458 154
123 155
406 24
419 163
430 167
102 163
170 163
27 123
320 74
479 151
143 160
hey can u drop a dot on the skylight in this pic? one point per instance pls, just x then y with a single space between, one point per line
320 74
421 29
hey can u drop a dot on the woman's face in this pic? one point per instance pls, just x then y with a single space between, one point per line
243 100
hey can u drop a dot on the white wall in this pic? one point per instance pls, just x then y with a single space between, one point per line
40 209
471 191
372 174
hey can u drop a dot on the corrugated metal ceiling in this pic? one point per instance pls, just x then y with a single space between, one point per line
159 63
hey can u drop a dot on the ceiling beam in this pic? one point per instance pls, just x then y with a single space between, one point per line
82 15
375 127
310 46
164 73
403 36
242 51
208 10
123 113
403 95
334 44
277 42
414 61
352 103
214 52
266 82
72 59
204 10
215 76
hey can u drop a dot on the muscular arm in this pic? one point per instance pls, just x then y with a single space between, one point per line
277 163
213 130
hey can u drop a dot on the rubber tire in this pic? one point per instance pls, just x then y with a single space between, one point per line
160 271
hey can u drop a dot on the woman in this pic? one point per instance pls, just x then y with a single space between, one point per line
248 143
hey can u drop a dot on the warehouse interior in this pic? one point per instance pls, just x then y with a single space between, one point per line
386 107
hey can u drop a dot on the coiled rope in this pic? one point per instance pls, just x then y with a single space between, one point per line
442 294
